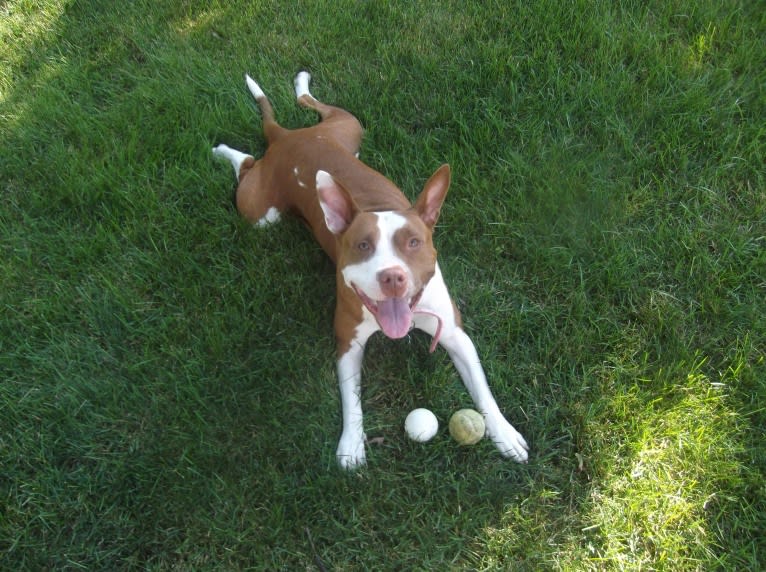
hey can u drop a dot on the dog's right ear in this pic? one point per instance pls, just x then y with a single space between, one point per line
338 207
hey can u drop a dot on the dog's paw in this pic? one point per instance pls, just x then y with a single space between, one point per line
301 83
508 441
350 453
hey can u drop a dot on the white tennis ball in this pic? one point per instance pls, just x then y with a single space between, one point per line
421 425
467 426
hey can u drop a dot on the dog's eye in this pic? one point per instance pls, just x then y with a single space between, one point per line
363 245
414 242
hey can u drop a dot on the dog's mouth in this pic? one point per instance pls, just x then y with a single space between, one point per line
395 314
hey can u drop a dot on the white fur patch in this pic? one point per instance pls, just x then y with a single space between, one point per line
298 179
272 215
436 300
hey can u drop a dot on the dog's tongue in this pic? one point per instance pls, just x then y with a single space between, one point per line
394 317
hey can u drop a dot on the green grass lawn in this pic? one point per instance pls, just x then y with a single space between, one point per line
167 394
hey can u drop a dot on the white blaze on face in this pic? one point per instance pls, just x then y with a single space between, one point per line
393 314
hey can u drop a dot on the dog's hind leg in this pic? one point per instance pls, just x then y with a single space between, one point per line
256 200
254 203
271 129
341 125
241 162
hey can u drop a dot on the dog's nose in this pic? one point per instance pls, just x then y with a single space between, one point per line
393 282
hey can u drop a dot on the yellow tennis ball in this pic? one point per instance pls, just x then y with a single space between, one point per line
467 426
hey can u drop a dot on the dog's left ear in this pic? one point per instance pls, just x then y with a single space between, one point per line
338 207
429 203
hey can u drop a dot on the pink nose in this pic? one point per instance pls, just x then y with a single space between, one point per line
393 282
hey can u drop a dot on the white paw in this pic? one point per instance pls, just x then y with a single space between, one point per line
508 441
350 453
254 88
301 84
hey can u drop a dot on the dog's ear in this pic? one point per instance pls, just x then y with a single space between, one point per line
429 203
338 207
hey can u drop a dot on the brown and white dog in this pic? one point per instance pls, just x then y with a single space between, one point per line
388 278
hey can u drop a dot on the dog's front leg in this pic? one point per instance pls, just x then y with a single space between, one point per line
350 453
463 353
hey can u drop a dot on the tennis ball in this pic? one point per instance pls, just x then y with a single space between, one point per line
421 425
467 426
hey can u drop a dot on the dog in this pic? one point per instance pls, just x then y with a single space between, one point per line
388 278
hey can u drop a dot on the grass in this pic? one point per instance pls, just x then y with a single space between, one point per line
168 398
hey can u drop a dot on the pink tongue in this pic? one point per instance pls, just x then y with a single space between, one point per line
394 317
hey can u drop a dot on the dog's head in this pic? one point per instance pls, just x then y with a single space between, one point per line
386 258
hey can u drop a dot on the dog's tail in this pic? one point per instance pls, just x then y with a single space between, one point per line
270 127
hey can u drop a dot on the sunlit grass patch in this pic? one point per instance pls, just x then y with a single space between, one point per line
657 505
26 26
671 455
